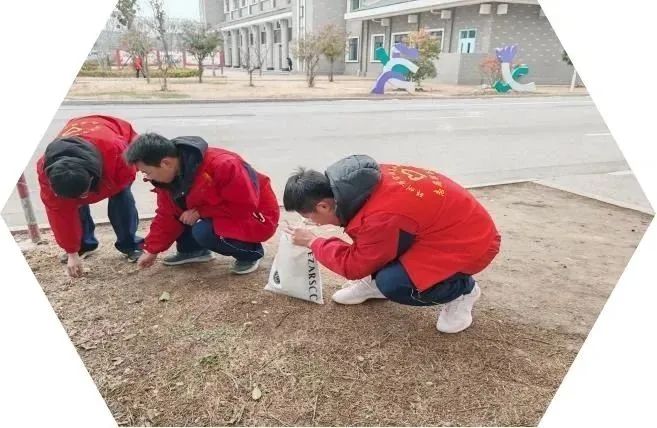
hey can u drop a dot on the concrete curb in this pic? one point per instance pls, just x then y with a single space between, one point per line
73 102
105 221
597 198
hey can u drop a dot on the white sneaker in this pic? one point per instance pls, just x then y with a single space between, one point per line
456 315
356 292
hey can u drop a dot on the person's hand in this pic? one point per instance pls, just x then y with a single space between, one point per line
190 217
300 236
74 265
146 260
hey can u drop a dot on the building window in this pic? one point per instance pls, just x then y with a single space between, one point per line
398 38
277 33
378 41
263 37
352 49
438 35
289 34
355 5
251 38
467 41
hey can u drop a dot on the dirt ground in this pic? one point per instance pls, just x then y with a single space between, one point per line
234 85
196 359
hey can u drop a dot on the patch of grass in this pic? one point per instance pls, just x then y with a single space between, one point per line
209 361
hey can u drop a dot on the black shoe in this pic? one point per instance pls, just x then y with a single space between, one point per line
134 255
243 267
191 257
82 253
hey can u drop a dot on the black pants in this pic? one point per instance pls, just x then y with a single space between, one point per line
202 236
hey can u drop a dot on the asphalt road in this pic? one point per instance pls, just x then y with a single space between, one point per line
560 141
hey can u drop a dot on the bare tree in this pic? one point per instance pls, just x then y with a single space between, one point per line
253 60
259 53
160 26
102 50
221 64
309 51
201 42
333 42
139 43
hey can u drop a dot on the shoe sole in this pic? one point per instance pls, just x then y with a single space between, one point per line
360 301
477 296
203 259
249 270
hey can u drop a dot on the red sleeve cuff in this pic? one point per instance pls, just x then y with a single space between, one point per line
317 245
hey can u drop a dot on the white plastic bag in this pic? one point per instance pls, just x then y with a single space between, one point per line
295 272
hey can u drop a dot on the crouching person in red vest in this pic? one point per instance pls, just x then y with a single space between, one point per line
418 237
82 166
208 200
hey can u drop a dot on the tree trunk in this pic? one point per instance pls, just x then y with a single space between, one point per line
308 75
148 73
251 76
331 71
200 72
574 80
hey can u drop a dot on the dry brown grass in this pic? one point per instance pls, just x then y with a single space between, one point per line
271 86
196 359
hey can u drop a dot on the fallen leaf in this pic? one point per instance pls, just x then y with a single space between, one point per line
256 393
165 297
361 359
130 336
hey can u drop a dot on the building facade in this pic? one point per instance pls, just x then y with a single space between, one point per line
467 30
266 30
211 12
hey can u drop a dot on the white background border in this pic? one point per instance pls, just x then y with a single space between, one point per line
42 380
614 377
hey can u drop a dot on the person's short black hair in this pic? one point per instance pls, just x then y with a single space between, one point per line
68 180
150 149
304 189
